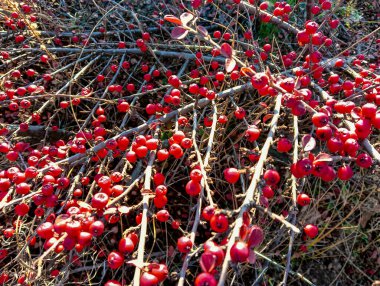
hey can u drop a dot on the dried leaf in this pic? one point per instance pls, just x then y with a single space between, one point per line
247 71
202 30
323 157
256 122
252 256
226 50
173 19
62 217
207 262
267 117
230 65
186 18
179 33
308 143
123 209
110 211
263 104
243 232
255 236
356 113
84 206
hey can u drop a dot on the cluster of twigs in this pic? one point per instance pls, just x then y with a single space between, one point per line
70 34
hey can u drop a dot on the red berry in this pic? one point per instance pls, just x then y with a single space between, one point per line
259 80
231 175
193 188
345 173
311 230
240 113
219 223
271 177
239 252
205 279
284 145
364 160
303 200
159 270
184 244
311 27
126 245
268 192
252 133
99 200
320 119
163 215
115 260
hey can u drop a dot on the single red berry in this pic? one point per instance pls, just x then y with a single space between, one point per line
163 215
271 177
219 223
205 279
303 200
148 279
345 173
311 230
259 80
193 188
284 145
252 133
184 244
239 252
115 260
126 245
231 175
364 160
320 119
268 192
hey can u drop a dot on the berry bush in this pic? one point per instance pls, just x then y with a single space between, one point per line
201 142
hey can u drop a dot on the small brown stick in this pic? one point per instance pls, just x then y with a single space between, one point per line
303 278
309 15
46 253
251 189
294 210
203 186
126 192
144 220
274 216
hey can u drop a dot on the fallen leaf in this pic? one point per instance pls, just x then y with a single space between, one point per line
186 18
255 236
202 30
173 19
179 33
267 117
207 262
308 143
230 65
247 71
226 50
